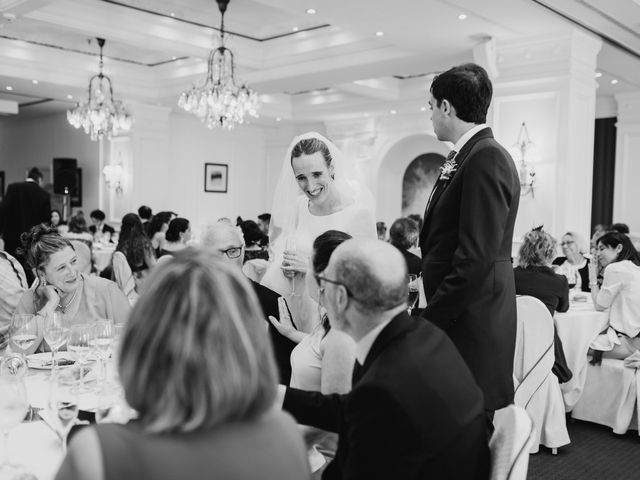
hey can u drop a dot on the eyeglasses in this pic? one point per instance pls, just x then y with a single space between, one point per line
319 278
233 252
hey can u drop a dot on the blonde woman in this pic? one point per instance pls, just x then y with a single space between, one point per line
197 365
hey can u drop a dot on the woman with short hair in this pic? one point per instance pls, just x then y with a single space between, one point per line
197 366
574 265
176 236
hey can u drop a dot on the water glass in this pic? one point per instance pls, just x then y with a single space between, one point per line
290 245
24 332
13 408
56 334
79 345
63 400
102 341
413 292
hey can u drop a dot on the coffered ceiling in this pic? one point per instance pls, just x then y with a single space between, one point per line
350 57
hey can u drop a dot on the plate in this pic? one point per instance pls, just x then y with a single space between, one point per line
42 361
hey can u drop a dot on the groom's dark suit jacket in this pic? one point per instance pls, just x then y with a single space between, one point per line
466 262
414 411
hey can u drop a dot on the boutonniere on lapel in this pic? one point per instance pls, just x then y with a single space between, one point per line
448 169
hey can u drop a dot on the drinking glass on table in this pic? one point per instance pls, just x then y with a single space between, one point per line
102 340
291 246
13 408
56 334
24 332
79 345
63 400
412 298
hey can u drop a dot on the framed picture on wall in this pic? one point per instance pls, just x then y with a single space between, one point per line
215 177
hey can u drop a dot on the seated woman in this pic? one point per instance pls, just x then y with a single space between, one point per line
61 288
620 291
136 248
574 265
100 230
197 366
176 236
57 222
534 277
156 228
323 359
78 230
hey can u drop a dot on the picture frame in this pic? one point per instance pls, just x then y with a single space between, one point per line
216 178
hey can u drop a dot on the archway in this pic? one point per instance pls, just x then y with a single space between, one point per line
418 181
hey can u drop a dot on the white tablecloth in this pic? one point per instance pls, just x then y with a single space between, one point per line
577 328
37 448
102 255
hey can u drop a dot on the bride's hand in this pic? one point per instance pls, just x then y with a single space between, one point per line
295 262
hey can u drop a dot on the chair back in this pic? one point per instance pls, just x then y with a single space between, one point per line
83 252
510 443
123 276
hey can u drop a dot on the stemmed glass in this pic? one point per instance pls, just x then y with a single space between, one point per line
413 292
102 340
24 332
290 245
56 334
63 400
13 408
79 345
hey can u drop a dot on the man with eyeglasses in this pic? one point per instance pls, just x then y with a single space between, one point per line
226 240
415 410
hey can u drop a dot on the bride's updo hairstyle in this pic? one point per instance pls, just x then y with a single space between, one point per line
39 243
309 146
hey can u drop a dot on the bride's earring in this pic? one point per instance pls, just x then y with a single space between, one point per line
44 282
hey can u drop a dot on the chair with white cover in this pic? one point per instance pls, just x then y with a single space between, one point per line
123 276
610 396
510 443
536 388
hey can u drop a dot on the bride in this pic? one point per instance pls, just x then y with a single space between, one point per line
316 192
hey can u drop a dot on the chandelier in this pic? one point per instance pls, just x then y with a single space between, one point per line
219 101
101 115
525 148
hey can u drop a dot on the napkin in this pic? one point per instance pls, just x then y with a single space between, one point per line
605 341
633 360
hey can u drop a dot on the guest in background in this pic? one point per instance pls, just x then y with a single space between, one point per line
381 229
620 290
176 236
136 247
403 235
574 265
263 222
61 288
256 242
56 220
78 229
157 227
25 204
145 215
13 283
225 240
100 230
416 218
534 277
598 230
196 366
621 228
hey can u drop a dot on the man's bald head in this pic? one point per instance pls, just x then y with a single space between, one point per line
221 237
374 272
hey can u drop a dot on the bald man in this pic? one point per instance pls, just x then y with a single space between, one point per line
226 240
414 411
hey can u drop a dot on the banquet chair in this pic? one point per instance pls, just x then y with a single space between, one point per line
536 388
610 396
83 252
510 443
123 276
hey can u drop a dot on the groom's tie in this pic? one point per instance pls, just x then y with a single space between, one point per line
452 154
356 373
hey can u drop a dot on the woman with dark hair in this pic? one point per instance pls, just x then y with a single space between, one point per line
403 235
78 229
619 292
61 288
256 242
196 365
323 359
100 230
157 227
176 236
134 245
534 277
56 219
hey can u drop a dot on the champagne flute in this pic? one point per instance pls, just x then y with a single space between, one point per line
102 340
290 245
79 345
63 400
24 332
56 334
413 292
13 408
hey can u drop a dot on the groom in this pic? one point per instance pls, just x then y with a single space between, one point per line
467 234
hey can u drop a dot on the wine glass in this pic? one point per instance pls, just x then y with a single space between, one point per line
24 332
102 340
13 408
63 400
56 334
79 345
412 298
290 245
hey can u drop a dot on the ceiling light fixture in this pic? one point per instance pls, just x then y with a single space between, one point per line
295 29
311 11
70 97
598 74
462 16
614 81
393 112
379 34
100 115
9 87
35 82
218 101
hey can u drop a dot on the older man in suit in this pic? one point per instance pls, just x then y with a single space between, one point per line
467 234
414 410
25 204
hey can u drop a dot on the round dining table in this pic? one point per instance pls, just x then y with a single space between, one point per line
102 253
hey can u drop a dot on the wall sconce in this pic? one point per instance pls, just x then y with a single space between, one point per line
525 149
113 175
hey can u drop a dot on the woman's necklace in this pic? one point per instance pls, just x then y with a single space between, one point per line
63 308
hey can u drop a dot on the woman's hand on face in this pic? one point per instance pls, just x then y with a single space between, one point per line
295 262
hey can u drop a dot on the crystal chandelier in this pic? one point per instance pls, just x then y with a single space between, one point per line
218 101
101 115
